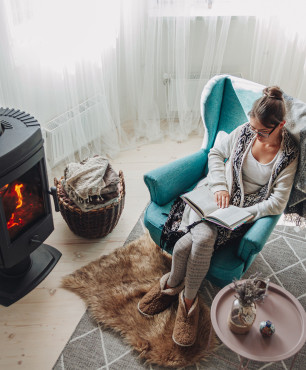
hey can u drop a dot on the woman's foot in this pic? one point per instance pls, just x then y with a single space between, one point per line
188 302
186 322
159 297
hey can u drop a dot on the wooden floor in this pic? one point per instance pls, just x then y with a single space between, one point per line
34 330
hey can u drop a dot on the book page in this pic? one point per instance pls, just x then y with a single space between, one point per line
231 215
203 198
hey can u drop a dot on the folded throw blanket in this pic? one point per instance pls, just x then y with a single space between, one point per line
91 184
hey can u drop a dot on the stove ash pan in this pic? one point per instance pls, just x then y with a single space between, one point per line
25 209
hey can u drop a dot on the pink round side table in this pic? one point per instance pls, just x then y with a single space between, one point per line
280 307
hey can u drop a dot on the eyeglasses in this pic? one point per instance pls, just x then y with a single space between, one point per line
262 133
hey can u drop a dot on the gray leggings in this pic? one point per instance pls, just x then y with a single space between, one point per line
191 258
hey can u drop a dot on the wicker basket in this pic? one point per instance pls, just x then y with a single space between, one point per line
95 223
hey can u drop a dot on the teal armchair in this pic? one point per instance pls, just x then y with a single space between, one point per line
225 103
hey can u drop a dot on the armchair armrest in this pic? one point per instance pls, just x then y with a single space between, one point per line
255 238
169 181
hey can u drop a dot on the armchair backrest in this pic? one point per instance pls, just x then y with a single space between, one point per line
225 103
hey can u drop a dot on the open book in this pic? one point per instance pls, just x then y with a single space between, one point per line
202 201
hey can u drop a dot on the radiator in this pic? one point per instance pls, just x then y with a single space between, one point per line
74 129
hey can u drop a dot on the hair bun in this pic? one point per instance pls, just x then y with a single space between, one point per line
273 92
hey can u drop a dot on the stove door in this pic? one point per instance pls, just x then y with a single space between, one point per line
25 210
23 202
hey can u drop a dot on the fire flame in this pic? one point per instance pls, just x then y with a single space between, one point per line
12 221
23 203
18 191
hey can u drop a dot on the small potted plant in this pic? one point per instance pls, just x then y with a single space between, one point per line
243 311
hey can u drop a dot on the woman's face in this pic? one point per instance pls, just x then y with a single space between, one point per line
262 132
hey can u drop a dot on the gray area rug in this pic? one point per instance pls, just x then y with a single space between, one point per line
283 260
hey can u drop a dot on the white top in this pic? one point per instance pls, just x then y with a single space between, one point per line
255 174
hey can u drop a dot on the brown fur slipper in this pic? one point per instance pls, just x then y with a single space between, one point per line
158 298
186 324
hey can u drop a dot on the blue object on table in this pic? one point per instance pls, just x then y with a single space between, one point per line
267 328
225 103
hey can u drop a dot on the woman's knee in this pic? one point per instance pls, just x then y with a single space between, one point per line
183 245
204 234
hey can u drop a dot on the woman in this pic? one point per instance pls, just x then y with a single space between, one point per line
254 168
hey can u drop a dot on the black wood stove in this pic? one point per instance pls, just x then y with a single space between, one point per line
25 209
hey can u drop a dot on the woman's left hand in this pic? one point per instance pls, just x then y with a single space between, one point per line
222 198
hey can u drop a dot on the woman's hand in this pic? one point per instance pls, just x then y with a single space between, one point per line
222 198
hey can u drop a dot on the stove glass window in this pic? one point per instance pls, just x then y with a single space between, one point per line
23 202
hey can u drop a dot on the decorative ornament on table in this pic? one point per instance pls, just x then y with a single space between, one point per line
243 311
267 328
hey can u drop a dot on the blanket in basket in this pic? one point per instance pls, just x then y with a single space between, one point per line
91 184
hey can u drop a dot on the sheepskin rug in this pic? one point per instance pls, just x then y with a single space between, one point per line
112 287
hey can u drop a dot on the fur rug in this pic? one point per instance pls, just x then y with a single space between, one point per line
111 288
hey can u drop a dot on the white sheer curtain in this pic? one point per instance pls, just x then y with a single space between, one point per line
169 50
182 51
93 72
102 76
279 47
57 63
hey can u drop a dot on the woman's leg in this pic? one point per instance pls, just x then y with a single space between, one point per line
180 257
203 239
163 293
186 323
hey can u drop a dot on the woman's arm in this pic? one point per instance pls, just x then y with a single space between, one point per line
216 161
279 197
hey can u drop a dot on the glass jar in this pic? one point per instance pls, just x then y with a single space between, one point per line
241 318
